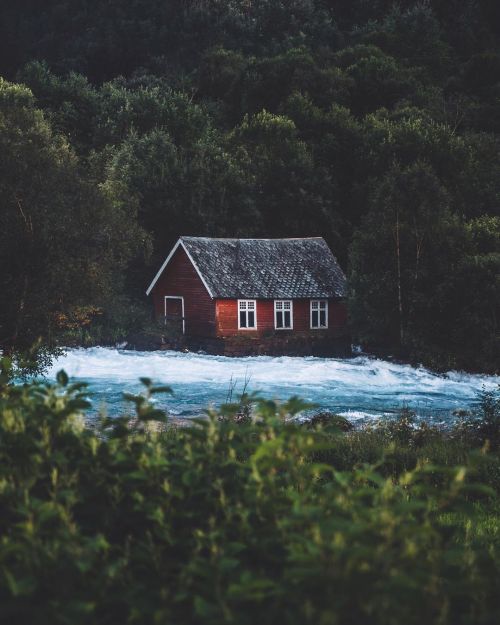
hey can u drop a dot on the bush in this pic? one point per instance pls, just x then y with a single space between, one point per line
482 427
328 420
226 523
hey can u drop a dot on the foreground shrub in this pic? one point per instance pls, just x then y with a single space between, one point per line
226 523
483 425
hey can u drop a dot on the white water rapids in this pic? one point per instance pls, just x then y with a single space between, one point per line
358 388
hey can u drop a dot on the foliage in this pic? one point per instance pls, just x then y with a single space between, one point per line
409 262
482 427
62 241
329 420
261 118
229 523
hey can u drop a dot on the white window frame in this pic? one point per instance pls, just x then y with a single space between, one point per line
182 304
247 301
318 301
283 301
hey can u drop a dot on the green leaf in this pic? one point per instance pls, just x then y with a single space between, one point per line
62 378
161 389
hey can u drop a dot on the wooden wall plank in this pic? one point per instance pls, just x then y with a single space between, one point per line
226 318
181 279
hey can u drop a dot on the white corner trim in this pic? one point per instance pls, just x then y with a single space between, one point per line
167 260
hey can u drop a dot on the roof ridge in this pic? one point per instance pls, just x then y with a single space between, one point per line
250 238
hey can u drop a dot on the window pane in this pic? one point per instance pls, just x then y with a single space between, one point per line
251 305
251 319
288 322
279 319
286 305
279 305
314 318
322 305
322 318
243 319
314 305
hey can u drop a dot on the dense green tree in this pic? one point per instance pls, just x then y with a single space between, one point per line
70 103
470 300
394 252
275 118
412 35
336 139
103 40
196 188
465 163
268 82
96 117
63 241
411 260
291 195
380 82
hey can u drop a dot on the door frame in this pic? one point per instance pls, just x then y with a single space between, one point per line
182 308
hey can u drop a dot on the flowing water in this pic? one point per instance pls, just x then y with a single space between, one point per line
359 388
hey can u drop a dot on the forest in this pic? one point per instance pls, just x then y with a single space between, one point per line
125 124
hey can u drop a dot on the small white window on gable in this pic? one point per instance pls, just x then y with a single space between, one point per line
319 313
283 314
247 314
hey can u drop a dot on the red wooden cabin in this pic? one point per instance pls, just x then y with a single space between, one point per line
253 295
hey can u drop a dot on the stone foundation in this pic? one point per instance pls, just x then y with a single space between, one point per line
290 345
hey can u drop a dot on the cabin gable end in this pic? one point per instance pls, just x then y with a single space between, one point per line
180 279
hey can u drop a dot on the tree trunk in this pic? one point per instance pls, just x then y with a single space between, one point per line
400 294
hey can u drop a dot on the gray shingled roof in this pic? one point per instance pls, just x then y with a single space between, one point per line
267 268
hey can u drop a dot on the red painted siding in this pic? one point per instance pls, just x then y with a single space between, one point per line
226 318
181 279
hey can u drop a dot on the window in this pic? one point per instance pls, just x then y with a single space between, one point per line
283 314
319 313
247 314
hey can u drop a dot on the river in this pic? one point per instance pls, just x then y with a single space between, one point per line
360 388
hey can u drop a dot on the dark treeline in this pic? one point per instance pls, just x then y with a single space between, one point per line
126 124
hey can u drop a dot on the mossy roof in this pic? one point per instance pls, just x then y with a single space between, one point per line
267 268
